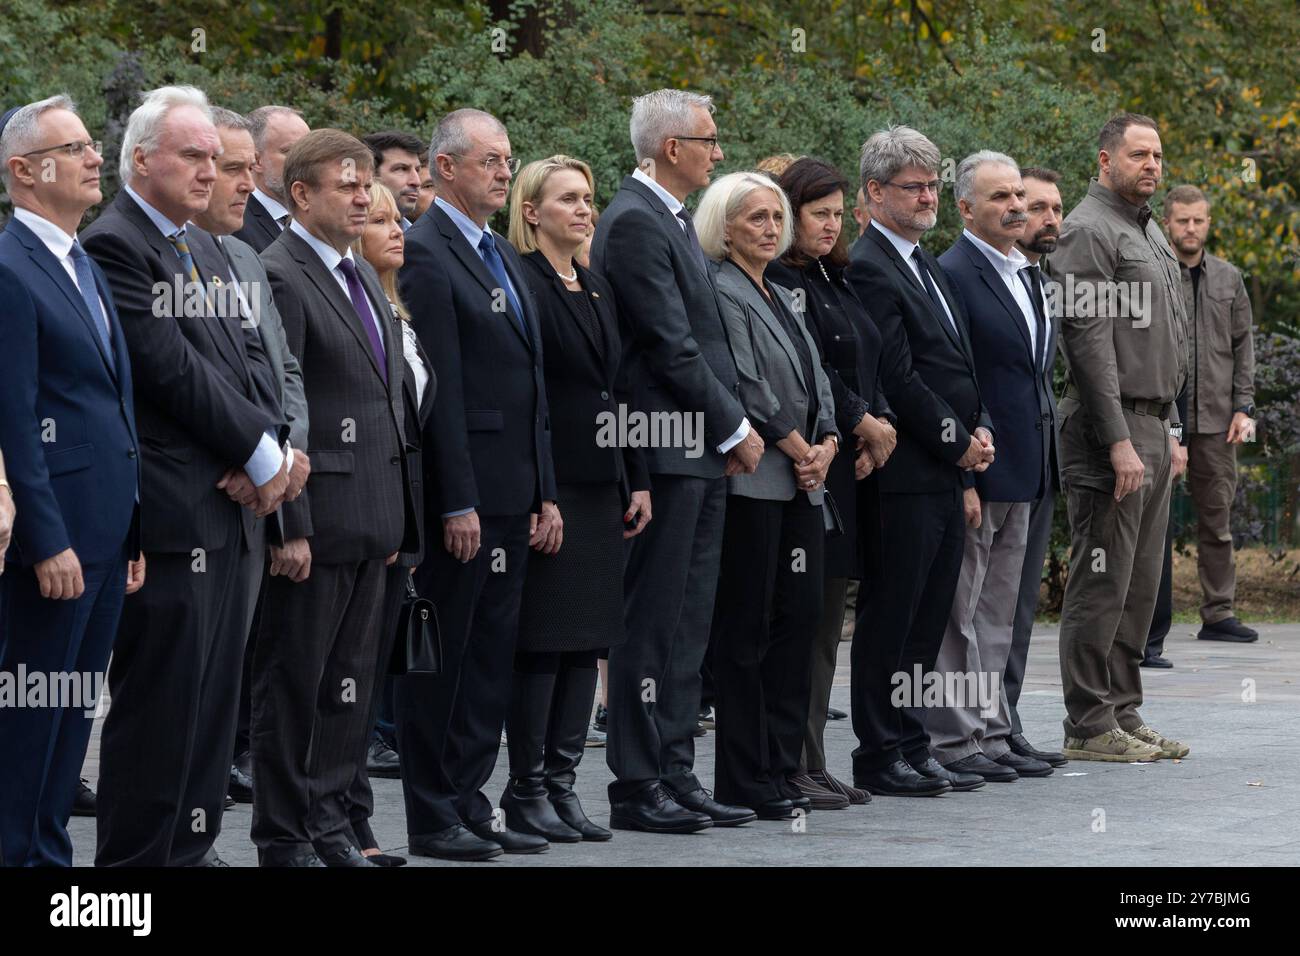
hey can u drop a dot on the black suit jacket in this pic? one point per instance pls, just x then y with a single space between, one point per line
927 370
357 505
417 412
582 378
491 447
1018 395
196 405
675 350
260 228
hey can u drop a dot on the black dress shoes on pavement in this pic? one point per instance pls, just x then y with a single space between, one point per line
386 859
1155 660
83 804
512 841
382 760
306 859
722 815
834 713
1229 629
653 810
240 788
960 781
454 843
776 810
982 766
345 858
1024 766
1021 746
900 780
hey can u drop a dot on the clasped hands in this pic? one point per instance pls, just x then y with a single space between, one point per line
979 453
287 485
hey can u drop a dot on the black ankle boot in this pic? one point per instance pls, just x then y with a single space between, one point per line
566 738
525 802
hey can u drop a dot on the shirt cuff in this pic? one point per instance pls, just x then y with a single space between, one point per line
457 514
266 461
735 439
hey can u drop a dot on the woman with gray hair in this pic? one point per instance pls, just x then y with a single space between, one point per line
769 598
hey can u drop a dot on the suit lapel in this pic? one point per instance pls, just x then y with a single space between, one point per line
993 280
540 263
523 293
671 224
903 266
766 313
476 267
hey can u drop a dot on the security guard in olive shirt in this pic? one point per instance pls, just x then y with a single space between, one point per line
1124 334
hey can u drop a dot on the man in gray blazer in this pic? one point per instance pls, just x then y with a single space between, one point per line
249 291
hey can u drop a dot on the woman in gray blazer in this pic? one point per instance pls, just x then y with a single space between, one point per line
769 597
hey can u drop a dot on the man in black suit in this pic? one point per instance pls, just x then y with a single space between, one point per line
488 471
679 364
275 129
1011 340
928 375
314 665
209 432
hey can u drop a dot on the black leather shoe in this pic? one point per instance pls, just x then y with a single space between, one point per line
1024 766
345 858
386 860
722 815
229 802
1021 746
305 859
454 843
1156 661
240 788
1229 629
653 810
776 810
982 766
382 760
960 781
834 713
528 718
566 738
83 804
512 841
900 780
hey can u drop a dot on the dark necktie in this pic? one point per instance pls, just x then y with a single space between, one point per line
283 221
693 239
187 261
930 288
86 285
1033 277
360 302
496 265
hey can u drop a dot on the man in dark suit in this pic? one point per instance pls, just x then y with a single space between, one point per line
209 430
314 665
275 129
488 470
246 279
67 422
679 364
1010 335
928 375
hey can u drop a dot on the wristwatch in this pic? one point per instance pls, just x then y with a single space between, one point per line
1176 431
1247 410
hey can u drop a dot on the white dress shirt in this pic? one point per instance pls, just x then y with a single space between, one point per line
1008 268
905 249
60 245
271 205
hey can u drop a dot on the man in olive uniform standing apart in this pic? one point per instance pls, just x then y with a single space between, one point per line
1126 365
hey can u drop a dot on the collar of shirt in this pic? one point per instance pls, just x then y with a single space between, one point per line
271 205
165 225
905 247
55 239
1009 265
327 253
1117 202
668 199
468 227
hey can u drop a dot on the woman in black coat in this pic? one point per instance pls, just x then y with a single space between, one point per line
573 591
849 343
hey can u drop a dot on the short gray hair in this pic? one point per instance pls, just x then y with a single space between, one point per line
20 132
722 200
223 118
889 151
451 135
260 119
967 168
659 116
145 125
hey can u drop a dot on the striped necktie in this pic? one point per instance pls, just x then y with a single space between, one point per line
187 261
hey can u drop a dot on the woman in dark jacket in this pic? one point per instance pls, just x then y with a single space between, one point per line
573 592
849 343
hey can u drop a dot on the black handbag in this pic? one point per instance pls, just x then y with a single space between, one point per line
418 648
831 515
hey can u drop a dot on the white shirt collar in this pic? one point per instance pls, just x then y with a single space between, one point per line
327 253
1008 265
905 247
468 227
271 205
55 239
165 225
672 202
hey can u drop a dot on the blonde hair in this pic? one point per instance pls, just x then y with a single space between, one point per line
722 201
528 188
381 198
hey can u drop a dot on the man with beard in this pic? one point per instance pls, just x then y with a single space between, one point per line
1011 339
944 432
398 166
1125 367
1042 228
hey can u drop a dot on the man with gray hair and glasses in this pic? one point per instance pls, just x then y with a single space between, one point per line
944 436
679 365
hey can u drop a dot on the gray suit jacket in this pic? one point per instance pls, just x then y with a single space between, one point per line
251 274
772 386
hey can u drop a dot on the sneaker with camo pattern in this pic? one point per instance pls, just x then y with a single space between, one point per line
1113 745
1168 748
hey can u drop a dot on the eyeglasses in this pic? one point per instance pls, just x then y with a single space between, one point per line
72 150
492 162
712 141
935 186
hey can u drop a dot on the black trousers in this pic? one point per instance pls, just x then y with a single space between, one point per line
174 680
313 677
449 725
654 676
1163 617
903 609
768 608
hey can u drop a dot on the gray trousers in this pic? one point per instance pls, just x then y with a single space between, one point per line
1212 480
1031 580
977 642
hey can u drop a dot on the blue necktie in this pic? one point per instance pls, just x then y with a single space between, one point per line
86 285
492 259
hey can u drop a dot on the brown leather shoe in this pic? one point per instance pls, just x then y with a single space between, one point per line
822 799
824 780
